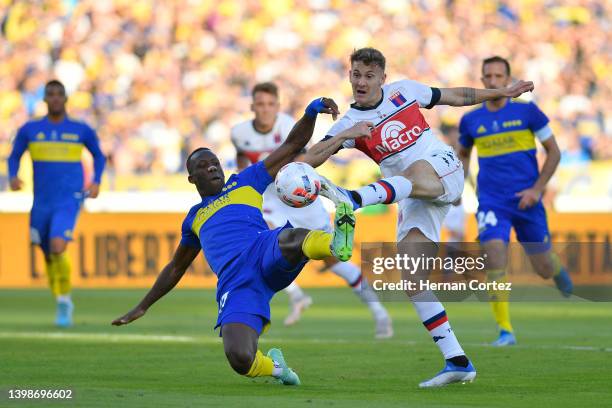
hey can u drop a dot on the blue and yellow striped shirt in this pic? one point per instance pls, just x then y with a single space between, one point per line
55 149
505 143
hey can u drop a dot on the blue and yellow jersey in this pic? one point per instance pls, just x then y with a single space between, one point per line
55 149
225 224
506 147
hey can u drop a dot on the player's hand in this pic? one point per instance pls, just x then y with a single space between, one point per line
517 89
16 184
529 198
360 129
93 191
130 316
323 105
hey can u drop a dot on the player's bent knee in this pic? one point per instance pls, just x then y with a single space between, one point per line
290 242
58 246
240 359
425 181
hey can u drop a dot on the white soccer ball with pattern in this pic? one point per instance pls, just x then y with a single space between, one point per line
297 184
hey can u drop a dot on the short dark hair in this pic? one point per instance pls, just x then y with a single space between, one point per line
369 56
496 58
199 149
55 82
266 87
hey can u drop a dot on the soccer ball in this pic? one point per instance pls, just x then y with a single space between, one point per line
297 184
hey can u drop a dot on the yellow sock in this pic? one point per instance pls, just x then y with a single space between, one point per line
262 366
316 245
62 273
499 300
50 268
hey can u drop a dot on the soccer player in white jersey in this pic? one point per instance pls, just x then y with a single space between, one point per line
253 140
420 172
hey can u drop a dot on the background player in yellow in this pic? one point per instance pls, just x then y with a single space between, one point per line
510 186
55 142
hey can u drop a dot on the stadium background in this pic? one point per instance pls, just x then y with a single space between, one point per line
158 78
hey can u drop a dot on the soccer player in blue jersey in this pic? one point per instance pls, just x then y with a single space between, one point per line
251 261
55 143
510 186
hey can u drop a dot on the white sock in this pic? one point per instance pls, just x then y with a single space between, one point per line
63 299
294 291
385 191
277 371
352 275
347 271
432 314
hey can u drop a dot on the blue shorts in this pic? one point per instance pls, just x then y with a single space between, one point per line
53 221
531 227
246 286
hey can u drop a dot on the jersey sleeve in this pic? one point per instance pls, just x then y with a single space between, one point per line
337 128
91 142
256 176
538 123
20 144
465 138
188 237
426 96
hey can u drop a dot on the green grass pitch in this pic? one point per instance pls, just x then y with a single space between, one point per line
172 358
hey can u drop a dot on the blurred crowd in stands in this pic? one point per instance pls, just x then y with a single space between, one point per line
158 78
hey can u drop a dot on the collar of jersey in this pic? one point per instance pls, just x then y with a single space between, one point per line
367 108
260 133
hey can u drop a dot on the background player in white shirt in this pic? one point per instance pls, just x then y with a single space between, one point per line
253 140
421 173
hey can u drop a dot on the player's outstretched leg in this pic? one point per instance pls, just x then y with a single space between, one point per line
240 345
297 243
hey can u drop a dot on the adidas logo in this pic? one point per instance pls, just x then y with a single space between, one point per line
481 129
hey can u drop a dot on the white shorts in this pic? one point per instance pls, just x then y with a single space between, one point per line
428 215
455 222
312 217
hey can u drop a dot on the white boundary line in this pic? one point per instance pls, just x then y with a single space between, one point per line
162 338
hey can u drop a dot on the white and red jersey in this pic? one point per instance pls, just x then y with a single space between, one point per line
256 145
401 134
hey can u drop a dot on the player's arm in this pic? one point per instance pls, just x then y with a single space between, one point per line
300 135
531 196
323 150
92 144
19 146
464 155
472 96
167 279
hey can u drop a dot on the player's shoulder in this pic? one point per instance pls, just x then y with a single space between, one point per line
36 121
523 106
78 123
242 129
474 112
405 83
285 119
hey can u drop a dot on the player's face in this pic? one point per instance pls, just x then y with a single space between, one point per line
55 98
495 76
266 107
206 173
366 81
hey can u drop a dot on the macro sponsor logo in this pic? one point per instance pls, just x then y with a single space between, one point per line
395 135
